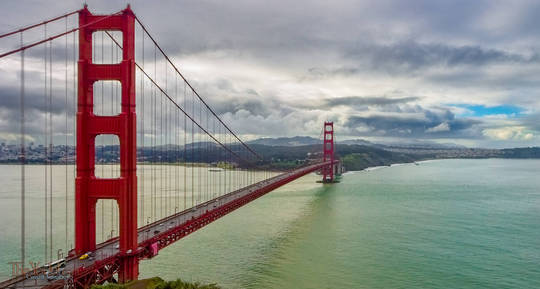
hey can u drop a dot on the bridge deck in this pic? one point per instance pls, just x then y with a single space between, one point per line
162 233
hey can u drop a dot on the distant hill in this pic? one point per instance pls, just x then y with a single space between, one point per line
521 153
305 140
354 157
359 157
286 141
290 154
359 141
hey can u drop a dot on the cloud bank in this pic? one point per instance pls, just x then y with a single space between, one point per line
386 69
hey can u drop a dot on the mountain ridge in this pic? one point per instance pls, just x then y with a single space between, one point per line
307 140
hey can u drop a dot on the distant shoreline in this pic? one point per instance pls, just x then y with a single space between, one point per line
373 168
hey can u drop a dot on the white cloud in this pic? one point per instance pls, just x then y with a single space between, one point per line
508 133
440 128
528 136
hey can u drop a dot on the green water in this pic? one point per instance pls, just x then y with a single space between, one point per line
442 224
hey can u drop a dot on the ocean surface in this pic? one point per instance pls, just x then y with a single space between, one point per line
439 224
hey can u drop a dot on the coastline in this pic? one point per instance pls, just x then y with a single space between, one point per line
373 168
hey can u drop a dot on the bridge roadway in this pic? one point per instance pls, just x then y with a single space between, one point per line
162 233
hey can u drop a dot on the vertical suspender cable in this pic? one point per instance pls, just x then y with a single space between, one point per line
199 158
226 161
205 171
207 140
74 99
202 159
161 155
208 158
159 152
143 135
185 150
176 145
50 153
170 154
118 106
238 170
118 91
216 156
111 148
225 158
154 116
242 170
219 161
152 151
46 149
102 204
22 160
169 168
213 176
167 146
199 155
192 148
231 175
66 148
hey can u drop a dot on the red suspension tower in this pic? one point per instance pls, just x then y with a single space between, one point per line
90 189
328 151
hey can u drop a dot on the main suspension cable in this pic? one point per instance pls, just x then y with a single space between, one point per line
39 24
191 117
57 35
191 87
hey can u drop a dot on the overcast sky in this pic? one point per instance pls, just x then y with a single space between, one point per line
465 72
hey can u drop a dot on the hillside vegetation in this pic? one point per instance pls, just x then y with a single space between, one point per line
156 283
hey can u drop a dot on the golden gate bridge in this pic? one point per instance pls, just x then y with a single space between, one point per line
90 71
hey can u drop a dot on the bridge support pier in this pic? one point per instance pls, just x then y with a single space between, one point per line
89 188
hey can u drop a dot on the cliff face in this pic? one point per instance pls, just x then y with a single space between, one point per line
360 161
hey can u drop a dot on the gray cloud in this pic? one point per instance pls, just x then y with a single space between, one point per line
254 107
35 99
366 101
438 123
411 57
531 121
224 98
301 55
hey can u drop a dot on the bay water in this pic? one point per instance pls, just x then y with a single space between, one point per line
438 224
